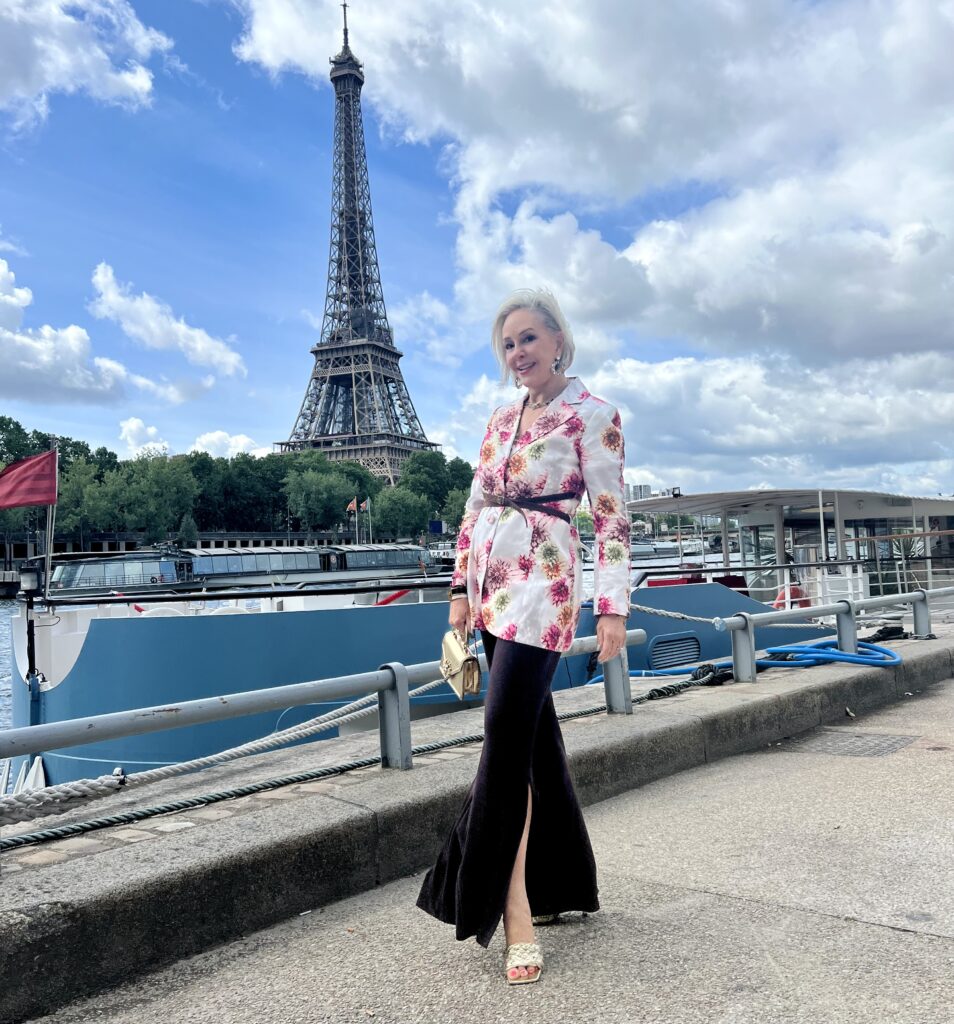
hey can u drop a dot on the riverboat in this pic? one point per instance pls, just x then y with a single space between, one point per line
184 570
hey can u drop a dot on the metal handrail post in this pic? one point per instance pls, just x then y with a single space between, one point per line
922 614
847 628
743 651
394 719
619 696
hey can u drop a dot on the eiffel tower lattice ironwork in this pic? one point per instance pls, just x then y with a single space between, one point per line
356 406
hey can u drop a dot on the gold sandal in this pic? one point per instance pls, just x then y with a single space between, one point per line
523 954
545 919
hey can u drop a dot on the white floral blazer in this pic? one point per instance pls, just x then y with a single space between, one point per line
522 567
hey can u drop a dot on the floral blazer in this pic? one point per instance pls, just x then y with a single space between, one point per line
522 571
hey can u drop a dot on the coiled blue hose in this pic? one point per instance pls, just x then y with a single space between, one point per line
800 656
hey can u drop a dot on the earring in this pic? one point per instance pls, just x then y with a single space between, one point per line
516 383
556 364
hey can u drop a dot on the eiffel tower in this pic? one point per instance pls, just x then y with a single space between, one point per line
356 406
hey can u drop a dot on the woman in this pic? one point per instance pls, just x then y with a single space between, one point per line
519 849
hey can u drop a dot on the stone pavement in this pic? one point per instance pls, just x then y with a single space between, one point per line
692 873
810 881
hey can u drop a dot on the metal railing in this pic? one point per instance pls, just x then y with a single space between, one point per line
742 625
391 682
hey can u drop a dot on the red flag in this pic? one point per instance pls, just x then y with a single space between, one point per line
30 481
364 505
352 505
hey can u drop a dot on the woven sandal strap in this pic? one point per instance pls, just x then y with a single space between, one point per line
524 954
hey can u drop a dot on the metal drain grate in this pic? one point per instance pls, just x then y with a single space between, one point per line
850 744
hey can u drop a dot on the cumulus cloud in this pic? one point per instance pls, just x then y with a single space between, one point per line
151 322
99 47
140 439
57 363
768 176
222 444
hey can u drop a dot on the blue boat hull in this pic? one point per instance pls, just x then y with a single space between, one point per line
143 662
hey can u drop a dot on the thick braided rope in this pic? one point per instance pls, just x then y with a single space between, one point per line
55 799
698 618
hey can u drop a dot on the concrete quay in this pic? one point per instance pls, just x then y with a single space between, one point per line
793 883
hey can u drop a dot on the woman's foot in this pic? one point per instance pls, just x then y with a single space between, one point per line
523 963
518 929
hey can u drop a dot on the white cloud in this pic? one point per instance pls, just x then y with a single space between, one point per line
770 177
50 364
140 439
222 444
6 245
426 322
94 46
147 320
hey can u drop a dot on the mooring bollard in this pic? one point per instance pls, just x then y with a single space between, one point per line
394 719
847 628
619 696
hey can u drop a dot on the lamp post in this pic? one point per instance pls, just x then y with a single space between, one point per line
30 586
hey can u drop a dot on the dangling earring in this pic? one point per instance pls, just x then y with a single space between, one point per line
556 364
516 383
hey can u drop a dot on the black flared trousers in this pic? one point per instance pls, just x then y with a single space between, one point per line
467 887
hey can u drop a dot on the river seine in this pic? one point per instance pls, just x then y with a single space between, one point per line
6 661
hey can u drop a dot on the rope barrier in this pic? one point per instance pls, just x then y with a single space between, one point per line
55 799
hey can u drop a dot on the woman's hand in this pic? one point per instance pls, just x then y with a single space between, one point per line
611 634
459 617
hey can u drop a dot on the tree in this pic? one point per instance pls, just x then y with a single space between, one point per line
460 474
73 508
160 492
318 499
104 460
188 533
14 441
399 513
425 473
453 510
209 474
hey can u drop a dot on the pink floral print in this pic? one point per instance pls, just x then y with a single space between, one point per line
523 578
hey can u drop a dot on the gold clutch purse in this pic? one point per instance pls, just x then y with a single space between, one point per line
459 665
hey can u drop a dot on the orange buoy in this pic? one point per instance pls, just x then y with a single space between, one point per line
797 598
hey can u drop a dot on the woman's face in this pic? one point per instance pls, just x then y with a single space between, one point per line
530 347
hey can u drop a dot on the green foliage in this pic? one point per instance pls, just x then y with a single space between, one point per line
319 499
399 513
425 474
14 441
453 511
77 485
584 522
460 475
160 490
188 533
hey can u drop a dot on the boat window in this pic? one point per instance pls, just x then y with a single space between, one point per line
288 562
202 565
235 563
248 563
167 571
275 563
261 563
357 559
65 576
301 561
91 575
314 560
122 573
220 564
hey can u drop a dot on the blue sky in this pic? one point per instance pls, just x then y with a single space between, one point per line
746 211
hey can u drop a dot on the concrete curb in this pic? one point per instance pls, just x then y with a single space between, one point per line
84 923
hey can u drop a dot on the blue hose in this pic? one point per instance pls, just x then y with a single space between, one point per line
803 656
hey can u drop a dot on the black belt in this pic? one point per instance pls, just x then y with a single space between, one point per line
535 504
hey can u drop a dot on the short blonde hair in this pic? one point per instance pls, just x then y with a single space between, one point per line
541 301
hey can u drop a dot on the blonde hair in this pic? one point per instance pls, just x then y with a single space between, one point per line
541 301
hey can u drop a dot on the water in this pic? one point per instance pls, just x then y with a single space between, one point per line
6 661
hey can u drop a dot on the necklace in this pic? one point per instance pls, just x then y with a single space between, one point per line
543 403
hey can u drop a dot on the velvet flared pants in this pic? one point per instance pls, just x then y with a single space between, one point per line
467 887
